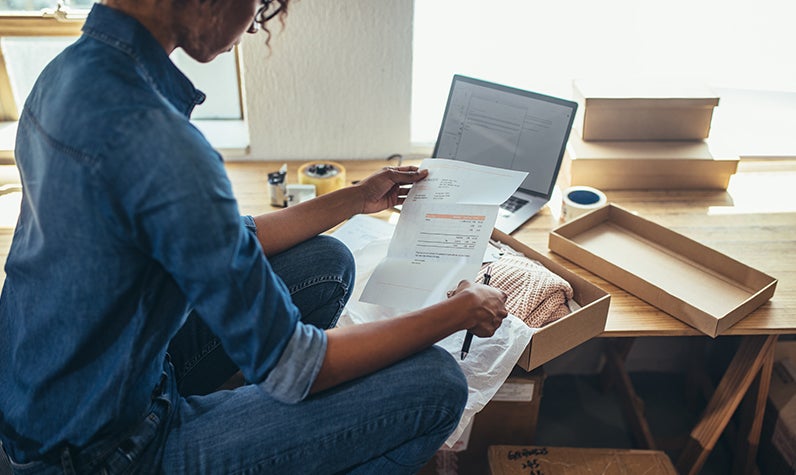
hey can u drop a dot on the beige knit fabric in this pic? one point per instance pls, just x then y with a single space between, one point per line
535 294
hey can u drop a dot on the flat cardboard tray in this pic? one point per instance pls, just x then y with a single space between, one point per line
688 280
562 335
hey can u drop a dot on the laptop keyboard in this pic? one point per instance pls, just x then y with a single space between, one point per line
513 204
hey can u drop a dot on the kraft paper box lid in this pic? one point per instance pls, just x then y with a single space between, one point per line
644 92
662 164
624 165
579 149
696 284
643 109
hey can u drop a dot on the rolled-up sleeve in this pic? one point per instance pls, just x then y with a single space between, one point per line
248 223
292 377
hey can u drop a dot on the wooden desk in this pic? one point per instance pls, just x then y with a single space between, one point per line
753 222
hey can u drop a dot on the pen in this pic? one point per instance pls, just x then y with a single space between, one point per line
468 338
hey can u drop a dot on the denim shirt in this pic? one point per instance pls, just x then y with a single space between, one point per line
127 222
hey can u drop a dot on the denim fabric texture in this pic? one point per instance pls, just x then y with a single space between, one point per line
134 288
127 223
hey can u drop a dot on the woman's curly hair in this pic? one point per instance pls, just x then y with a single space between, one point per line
269 10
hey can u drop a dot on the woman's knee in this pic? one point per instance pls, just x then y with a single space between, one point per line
319 274
442 379
338 256
319 256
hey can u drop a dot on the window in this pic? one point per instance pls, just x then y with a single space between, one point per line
33 32
743 50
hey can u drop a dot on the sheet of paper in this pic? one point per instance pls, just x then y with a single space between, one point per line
442 233
361 230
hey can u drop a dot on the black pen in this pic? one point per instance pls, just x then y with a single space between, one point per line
468 338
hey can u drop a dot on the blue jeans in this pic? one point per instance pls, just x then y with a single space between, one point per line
319 273
392 421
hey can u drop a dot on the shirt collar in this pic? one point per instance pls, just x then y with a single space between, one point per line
125 33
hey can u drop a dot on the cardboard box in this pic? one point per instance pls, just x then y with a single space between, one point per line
636 165
690 281
518 460
510 417
643 109
562 335
777 454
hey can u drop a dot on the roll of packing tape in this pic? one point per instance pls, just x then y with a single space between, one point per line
326 176
581 199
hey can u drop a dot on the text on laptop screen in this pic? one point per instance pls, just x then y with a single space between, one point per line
494 125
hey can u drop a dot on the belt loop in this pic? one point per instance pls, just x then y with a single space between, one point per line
66 462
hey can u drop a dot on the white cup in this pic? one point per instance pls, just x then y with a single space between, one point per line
299 193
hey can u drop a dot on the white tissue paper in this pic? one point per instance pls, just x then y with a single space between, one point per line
489 361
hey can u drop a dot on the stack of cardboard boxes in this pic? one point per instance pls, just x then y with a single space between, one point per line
645 135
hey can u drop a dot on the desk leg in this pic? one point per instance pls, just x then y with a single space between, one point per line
632 405
620 346
751 423
747 364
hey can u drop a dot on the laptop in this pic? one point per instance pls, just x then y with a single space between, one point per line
500 126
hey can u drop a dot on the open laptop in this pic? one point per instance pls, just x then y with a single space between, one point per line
499 126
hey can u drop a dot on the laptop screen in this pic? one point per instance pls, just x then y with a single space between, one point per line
504 127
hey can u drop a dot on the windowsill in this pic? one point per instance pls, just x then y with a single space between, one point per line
229 137
755 124
749 124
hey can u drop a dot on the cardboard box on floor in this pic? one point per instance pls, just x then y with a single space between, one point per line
777 454
643 109
519 460
636 165
560 336
688 280
510 417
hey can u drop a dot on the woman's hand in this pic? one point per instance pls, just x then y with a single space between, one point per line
485 305
384 189
355 350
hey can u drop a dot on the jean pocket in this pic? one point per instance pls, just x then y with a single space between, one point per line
10 466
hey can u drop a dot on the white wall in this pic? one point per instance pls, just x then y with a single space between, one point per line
336 84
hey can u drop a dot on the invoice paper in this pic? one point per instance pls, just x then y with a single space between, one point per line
442 233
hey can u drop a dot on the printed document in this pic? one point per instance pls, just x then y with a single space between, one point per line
442 233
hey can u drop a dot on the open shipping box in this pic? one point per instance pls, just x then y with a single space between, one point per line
643 165
643 109
560 336
688 280
518 460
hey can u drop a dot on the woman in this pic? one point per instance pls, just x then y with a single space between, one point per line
134 289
